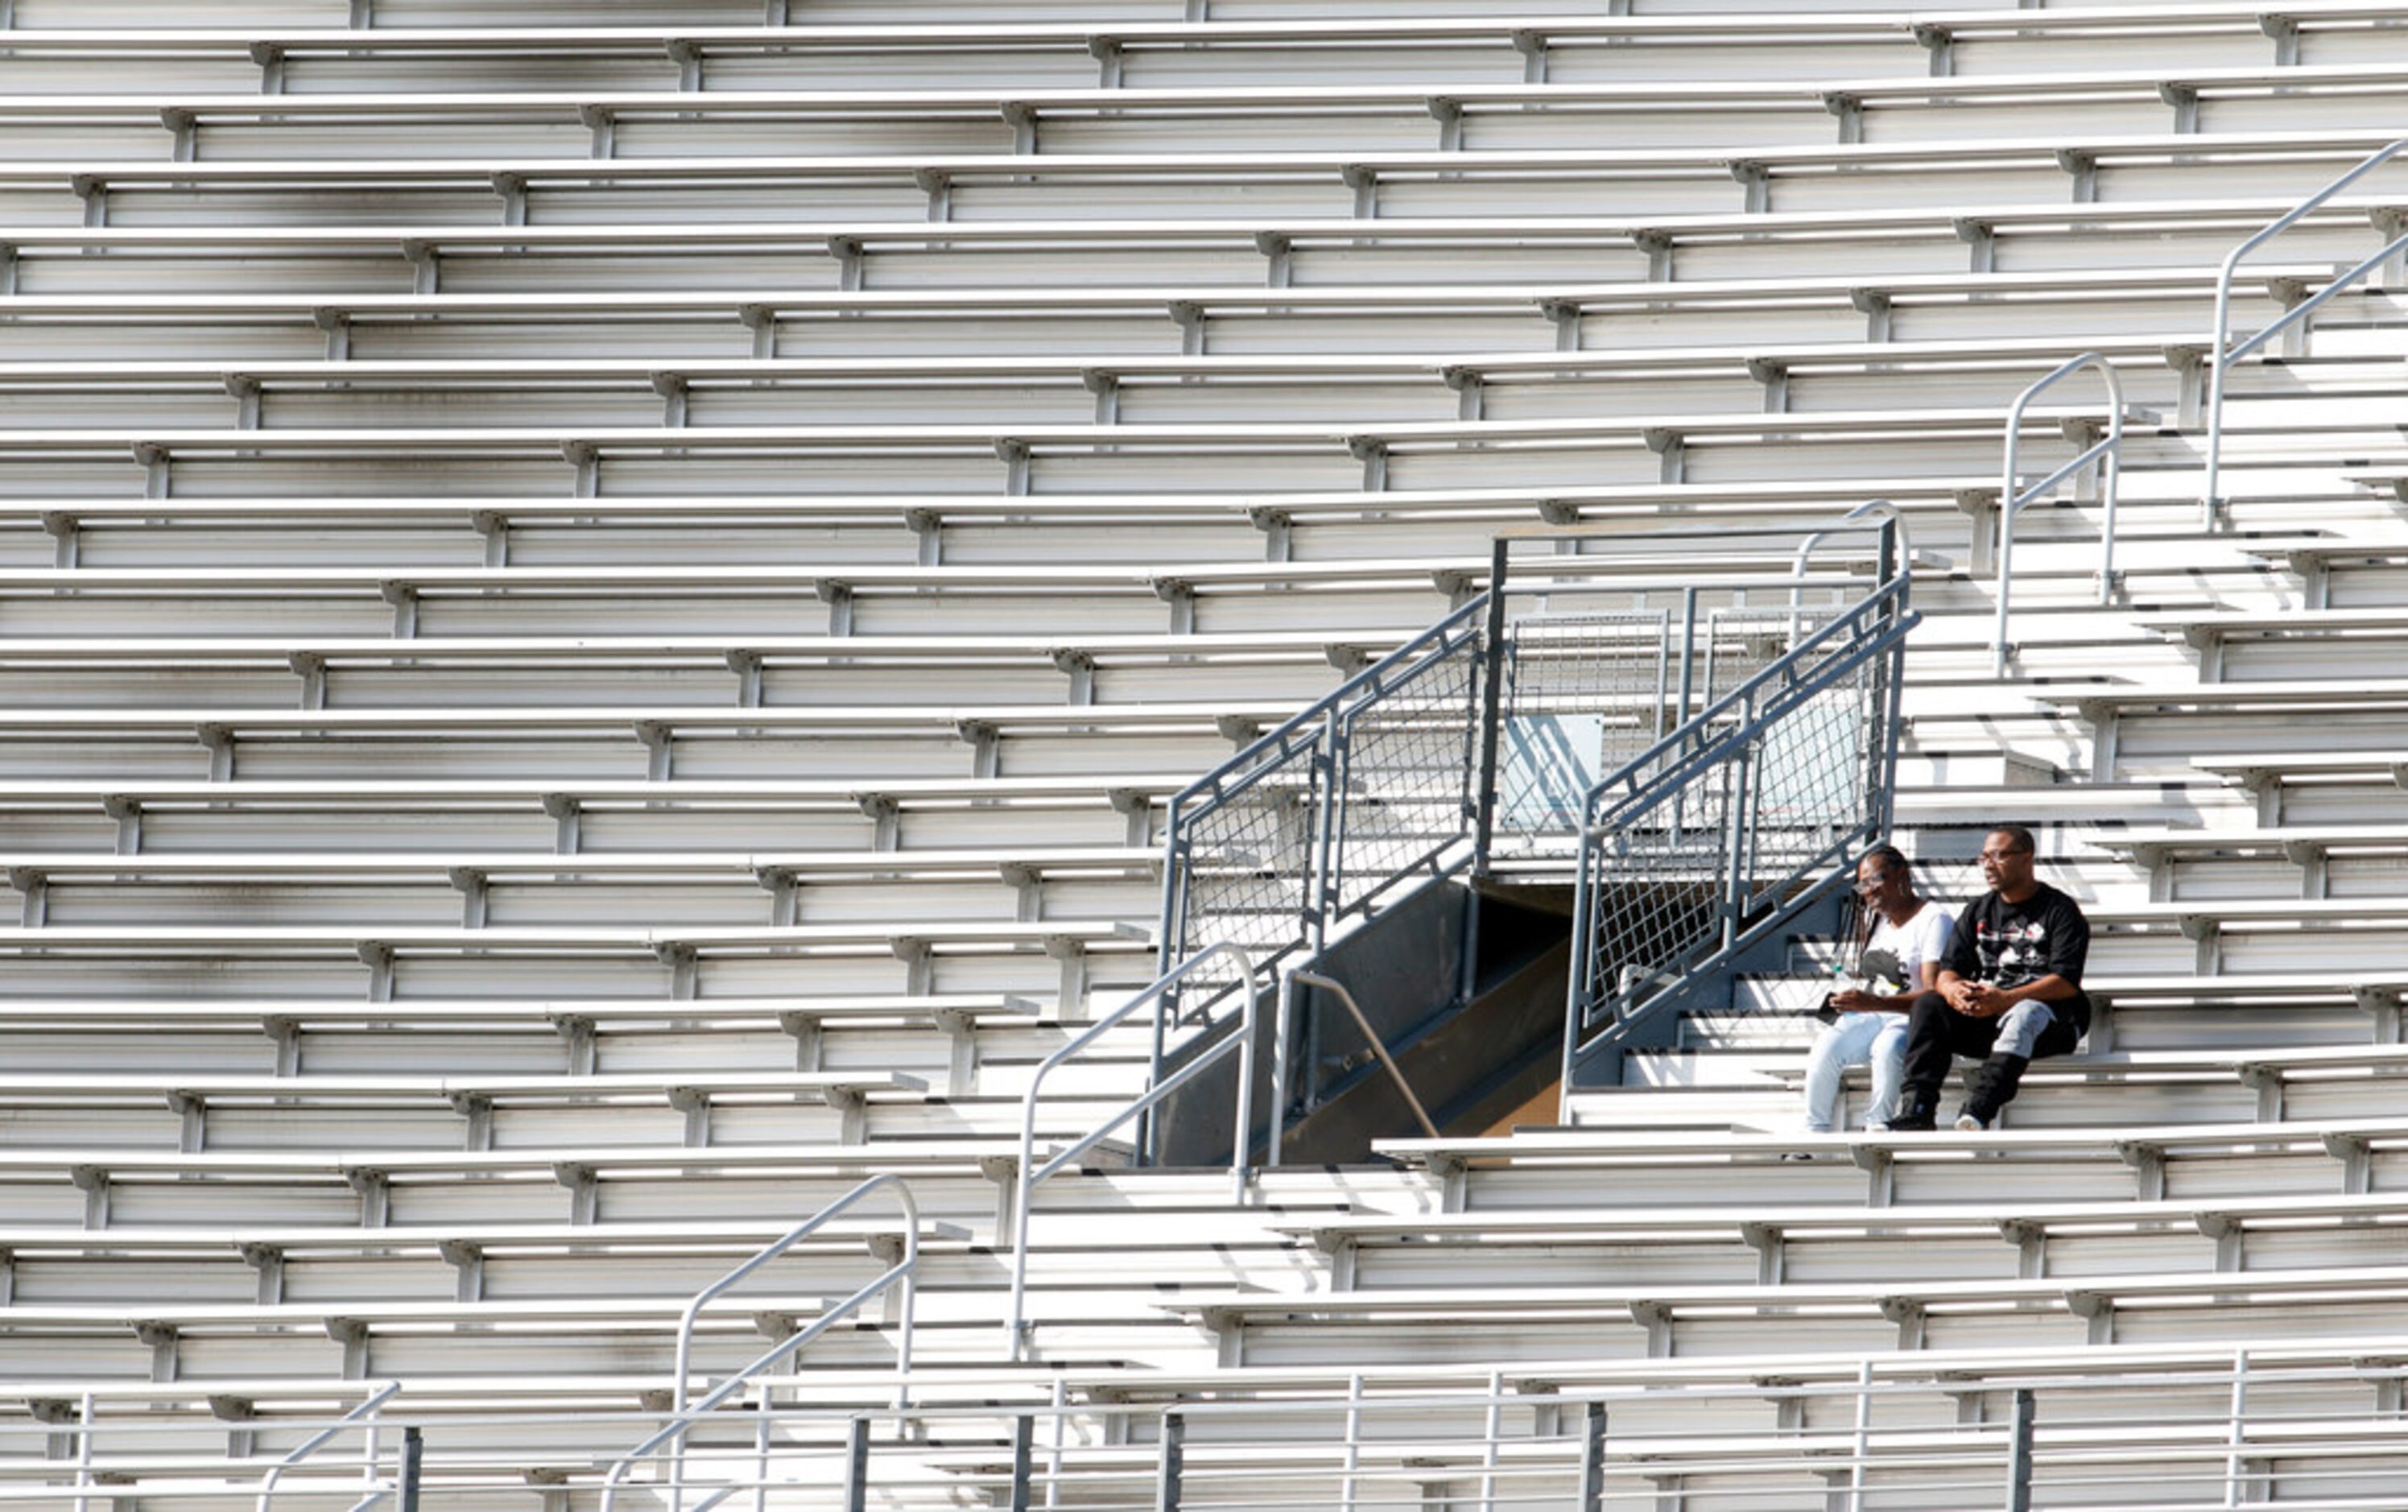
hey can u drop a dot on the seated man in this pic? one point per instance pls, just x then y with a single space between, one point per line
1897 959
2009 989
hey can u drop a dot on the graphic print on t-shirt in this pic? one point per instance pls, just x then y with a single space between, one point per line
2013 951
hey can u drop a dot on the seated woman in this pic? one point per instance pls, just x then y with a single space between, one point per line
1897 961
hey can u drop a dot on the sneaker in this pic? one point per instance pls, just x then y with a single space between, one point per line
1968 1124
1915 1117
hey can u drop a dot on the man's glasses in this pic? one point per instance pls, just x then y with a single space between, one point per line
2000 855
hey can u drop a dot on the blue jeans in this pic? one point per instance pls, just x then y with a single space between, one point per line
1855 1040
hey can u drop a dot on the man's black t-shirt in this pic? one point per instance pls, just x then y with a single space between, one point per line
2007 944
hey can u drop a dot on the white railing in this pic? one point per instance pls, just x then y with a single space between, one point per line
2267 1422
2107 453
2226 352
903 1271
363 1415
1241 1041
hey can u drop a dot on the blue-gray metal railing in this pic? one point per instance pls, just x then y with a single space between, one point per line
673 1432
1739 819
1241 1041
1258 851
2226 352
2107 453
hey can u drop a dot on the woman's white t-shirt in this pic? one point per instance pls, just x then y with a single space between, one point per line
1891 963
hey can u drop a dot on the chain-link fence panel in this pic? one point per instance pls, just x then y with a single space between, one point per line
1407 763
1584 695
1813 779
1759 796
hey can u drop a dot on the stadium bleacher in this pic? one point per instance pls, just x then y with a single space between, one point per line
603 607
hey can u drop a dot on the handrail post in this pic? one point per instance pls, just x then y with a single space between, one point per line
1592 1461
2019 1453
1324 876
413 1460
1241 1137
1492 713
856 1465
1282 1064
1172 1466
2211 501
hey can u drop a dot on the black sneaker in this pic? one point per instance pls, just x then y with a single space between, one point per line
1917 1117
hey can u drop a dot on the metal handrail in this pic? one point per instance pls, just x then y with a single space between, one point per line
684 1415
1240 773
2211 506
1279 1055
1340 1428
1241 1041
1666 771
2107 454
310 1446
1870 508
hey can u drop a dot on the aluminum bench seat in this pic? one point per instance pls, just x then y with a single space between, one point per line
765 867
742 655
1446 370
604 1014
112 1184
475 1098
594 109
348 938
1540 300
604 441
1231 1316
95 177
1766 1229
1079 39
2340 1149
881 807
293 1031
2270 1072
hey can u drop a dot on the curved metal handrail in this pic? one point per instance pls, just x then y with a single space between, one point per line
275 1473
1871 508
2209 505
1370 1037
1243 1043
2106 453
905 1270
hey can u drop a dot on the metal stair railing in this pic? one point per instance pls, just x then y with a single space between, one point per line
2226 352
673 1432
1482 728
1260 851
2107 453
1739 819
364 1417
1240 1042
